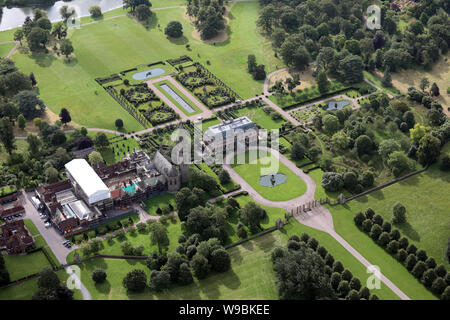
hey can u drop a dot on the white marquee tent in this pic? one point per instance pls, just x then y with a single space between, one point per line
88 180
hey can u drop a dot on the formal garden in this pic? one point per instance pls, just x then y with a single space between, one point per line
139 100
257 111
183 103
206 86
116 148
293 187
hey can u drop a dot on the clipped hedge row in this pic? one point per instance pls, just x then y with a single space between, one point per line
434 277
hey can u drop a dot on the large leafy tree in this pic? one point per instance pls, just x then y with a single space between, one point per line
38 38
429 149
174 29
159 235
7 134
29 104
301 275
252 214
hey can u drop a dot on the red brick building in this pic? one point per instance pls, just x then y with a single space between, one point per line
15 237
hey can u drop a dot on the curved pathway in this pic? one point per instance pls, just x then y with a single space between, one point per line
267 80
318 217
16 43
287 205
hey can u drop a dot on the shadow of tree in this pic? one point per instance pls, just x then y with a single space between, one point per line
179 41
104 287
42 60
408 230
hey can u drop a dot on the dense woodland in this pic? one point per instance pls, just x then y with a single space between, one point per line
334 35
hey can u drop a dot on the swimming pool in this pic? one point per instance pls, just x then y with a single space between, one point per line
130 189
177 98
147 74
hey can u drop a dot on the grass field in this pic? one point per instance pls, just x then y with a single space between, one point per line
440 73
424 196
104 48
5 49
120 146
159 201
257 115
113 246
251 172
390 267
24 290
251 276
209 123
20 266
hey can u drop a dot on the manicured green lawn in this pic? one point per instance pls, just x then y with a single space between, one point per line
5 49
20 266
112 45
426 201
251 172
120 147
31 227
344 225
188 101
376 80
251 276
209 123
159 201
257 115
113 246
25 290
389 266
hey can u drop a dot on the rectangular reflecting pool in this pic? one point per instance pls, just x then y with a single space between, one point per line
177 98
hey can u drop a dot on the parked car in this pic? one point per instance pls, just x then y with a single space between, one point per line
48 224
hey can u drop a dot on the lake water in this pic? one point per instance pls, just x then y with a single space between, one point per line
14 17
177 98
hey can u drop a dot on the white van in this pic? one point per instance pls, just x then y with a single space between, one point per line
36 203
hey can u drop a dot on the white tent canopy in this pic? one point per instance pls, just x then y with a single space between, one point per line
88 180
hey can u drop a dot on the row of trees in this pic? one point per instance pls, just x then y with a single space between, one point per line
305 270
434 277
